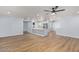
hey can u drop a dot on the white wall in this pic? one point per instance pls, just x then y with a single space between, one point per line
27 26
67 26
50 26
10 26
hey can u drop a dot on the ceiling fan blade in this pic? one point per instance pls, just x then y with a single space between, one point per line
60 10
47 10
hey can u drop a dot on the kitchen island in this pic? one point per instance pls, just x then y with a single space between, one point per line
39 31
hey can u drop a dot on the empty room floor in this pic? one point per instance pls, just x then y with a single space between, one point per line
33 43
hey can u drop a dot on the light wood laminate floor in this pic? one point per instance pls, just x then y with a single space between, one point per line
33 43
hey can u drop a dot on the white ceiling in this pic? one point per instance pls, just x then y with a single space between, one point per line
31 11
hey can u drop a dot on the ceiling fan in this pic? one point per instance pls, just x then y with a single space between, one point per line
54 10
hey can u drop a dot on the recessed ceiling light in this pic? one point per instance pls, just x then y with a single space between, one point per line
9 12
78 12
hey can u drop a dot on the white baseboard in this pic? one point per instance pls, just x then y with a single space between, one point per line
21 33
67 35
